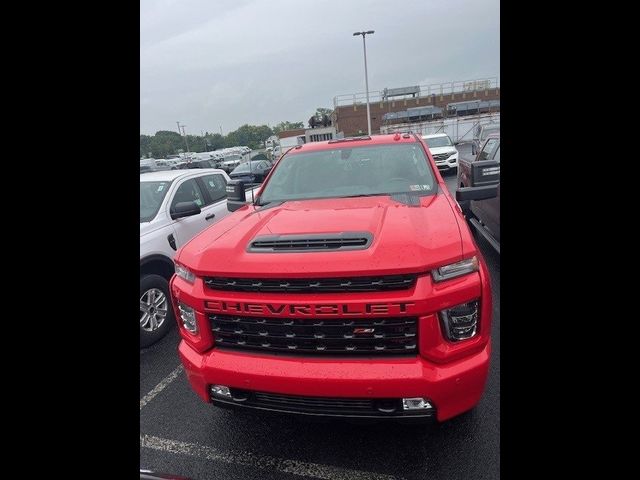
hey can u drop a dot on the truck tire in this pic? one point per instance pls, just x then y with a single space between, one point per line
156 311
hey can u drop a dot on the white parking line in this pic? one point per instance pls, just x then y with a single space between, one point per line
265 462
161 386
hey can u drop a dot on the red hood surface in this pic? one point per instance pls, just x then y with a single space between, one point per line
406 239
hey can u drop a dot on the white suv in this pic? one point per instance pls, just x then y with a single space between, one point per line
443 151
175 205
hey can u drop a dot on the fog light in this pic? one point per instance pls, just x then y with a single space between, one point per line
460 322
188 317
416 404
220 391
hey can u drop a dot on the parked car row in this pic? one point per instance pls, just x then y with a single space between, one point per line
226 159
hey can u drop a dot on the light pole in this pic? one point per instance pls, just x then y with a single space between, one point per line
185 137
366 77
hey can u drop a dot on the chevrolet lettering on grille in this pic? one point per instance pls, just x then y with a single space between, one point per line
311 310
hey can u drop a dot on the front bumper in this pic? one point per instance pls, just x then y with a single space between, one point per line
449 164
452 388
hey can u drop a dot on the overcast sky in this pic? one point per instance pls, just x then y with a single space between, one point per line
212 63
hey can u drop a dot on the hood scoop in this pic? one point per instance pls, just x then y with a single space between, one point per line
331 242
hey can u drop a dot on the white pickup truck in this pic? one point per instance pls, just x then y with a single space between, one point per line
175 205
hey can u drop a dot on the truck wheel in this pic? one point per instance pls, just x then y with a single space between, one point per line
156 312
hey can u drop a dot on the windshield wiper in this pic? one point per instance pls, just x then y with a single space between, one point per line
364 195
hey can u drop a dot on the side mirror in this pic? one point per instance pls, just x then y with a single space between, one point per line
484 179
184 209
473 149
236 196
456 143
485 172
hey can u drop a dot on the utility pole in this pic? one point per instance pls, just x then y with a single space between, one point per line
204 139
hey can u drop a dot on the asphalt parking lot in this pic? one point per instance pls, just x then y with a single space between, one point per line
181 435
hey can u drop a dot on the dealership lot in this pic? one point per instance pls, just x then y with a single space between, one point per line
180 434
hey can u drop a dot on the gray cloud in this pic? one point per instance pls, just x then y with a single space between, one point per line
231 62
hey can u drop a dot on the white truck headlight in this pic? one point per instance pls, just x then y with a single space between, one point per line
184 273
454 270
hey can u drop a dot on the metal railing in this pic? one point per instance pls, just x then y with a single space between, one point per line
459 129
447 88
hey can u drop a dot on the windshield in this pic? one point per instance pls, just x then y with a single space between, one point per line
151 196
487 130
438 142
244 167
347 172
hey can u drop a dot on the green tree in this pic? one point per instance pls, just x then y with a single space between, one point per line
250 135
166 142
323 111
145 145
215 141
282 126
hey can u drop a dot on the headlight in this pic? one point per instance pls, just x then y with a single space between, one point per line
460 322
184 273
454 270
188 317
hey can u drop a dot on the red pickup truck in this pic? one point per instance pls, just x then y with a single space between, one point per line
350 286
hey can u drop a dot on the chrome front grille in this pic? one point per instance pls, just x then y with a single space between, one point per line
441 156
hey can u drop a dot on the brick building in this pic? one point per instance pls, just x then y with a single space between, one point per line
352 119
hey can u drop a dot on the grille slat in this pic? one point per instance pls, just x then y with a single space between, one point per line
314 404
298 336
345 337
302 401
313 285
441 156
362 323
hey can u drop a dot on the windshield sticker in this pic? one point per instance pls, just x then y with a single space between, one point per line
160 188
417 188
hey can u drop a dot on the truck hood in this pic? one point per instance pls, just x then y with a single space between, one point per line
438 150
406 239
